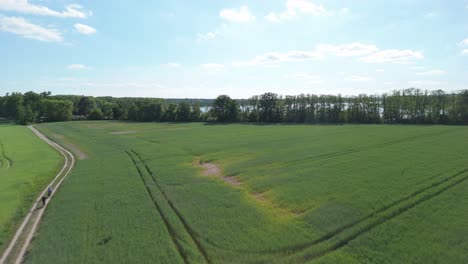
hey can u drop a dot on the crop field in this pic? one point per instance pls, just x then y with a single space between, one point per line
27 164
202 193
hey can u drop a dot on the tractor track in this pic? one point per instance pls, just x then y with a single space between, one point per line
169 228
9 162
368 227
188 230
343 235
375 219
18 246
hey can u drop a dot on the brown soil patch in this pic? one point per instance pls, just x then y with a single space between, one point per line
211 169
122 132
232 180
259 196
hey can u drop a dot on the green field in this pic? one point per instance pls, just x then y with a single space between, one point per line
27 164
285 194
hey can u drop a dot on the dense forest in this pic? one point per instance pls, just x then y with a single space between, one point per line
409 106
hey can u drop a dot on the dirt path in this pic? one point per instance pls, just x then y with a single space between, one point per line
18 246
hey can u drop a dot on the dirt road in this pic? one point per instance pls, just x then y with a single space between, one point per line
18 246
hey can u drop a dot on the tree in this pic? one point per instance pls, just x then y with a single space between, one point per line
224 109
183 112
196 113
170 113
57 110
270 108
85 105
96 114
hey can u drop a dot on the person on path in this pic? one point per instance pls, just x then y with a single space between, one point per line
43 200
49 191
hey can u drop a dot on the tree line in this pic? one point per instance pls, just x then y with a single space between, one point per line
408 106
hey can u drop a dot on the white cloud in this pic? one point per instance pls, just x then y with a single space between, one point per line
357 78
213 67
464 43
431 72
20 26
206 36
84 29
23 6
277 57
380 70
394 56
297 7
77 67
241 15
347 50
371 53
427 83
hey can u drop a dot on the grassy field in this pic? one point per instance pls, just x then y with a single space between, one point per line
27 164
280 193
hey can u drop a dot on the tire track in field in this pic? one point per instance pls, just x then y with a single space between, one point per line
368 227
187 227
170 226
9 162
376 218
359 149
18 246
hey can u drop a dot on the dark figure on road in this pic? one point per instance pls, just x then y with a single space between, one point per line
49 191
43 200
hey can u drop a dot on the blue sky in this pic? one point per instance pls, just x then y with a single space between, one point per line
203 48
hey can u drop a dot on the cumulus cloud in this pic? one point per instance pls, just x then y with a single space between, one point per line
295 8
431 72
206 36
20 26
347 50
277 57
427 83
365 52
23 6
464 43
240 15
393 56
77 67
84 29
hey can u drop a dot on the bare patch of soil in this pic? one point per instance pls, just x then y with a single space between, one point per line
211 169
122 132
259 196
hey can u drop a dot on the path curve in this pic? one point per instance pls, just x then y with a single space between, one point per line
18 246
